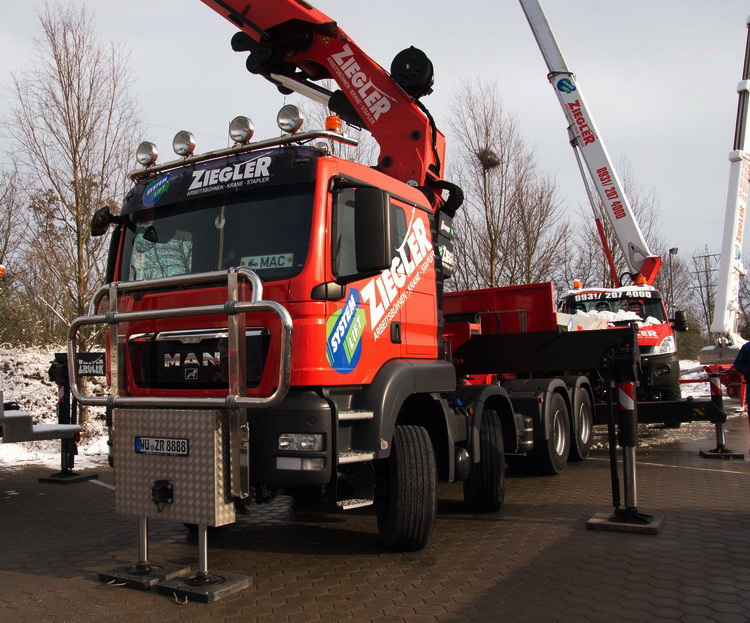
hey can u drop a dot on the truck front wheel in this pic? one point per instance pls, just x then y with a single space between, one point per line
484 489
550 456
406 491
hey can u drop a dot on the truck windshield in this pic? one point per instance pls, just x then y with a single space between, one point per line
617 309
269 234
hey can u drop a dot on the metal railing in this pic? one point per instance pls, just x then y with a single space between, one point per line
233 308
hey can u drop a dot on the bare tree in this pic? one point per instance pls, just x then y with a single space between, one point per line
510 226
10 207
703 287
74 124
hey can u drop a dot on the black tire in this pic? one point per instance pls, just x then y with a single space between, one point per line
550 456
673 392
406 491
484 489
584 426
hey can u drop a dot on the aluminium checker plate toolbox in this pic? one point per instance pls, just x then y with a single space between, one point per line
199 472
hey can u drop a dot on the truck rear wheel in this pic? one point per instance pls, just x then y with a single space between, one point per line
584 423
484 489
550 456
406 491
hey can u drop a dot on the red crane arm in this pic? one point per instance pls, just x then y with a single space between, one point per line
292 39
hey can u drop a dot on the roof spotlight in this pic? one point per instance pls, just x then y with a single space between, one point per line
241 129
146 154
183 143
290 118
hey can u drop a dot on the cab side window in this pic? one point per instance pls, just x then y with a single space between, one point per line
398 231
344 246
344 251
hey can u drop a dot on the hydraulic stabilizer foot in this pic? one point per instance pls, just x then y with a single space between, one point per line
720 451
204 586
626 519
143 575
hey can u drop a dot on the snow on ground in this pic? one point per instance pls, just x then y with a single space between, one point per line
24 379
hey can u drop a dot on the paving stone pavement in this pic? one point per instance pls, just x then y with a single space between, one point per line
533 561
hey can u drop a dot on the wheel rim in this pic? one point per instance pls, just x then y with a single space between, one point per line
584 425
559 433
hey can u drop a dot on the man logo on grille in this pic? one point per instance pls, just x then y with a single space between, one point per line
191 374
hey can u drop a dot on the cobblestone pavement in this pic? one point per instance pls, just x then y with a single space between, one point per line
533 561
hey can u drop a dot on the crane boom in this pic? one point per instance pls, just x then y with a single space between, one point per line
291 43
589 146
727 308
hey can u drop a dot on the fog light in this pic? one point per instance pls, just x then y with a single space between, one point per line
183 143
293 462
290 118
146 154
313 464
241 129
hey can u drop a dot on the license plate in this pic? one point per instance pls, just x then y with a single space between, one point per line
162 445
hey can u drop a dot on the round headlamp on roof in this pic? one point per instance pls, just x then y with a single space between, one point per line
183 143
241 129
146 154
290 118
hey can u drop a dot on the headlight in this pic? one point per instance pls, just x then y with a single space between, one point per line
302 442
667 346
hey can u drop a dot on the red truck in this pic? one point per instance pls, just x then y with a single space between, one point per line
278 319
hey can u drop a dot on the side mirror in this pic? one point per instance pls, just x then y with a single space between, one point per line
680 322
100 221
372 229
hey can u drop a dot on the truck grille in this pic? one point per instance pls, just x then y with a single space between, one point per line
192 359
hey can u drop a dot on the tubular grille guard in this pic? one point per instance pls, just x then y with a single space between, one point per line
234 309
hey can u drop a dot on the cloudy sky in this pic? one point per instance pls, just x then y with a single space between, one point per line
659 76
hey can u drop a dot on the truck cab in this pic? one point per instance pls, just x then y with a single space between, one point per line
642 305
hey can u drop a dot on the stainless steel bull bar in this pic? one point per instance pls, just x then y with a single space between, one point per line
237 402
233 308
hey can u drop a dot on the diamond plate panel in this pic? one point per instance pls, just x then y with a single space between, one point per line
201 480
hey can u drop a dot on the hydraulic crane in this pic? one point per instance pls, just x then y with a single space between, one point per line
589 147
724 327
642 302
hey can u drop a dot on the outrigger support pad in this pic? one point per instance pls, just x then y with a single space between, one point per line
143 575
720 451
203 586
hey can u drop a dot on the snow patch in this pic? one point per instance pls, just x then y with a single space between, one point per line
24 379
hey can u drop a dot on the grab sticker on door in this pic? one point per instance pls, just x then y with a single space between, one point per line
344 335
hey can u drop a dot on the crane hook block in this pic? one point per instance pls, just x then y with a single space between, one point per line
413 72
